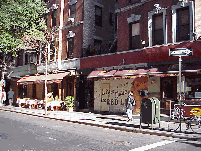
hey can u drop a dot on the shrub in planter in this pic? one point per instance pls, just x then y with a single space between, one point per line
69 101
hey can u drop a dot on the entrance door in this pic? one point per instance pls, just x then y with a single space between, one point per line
169 88
168 92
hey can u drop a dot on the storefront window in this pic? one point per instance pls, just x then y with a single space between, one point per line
193 87
22 91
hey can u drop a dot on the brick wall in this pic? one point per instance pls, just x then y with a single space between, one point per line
77 29
89 23
91 31
143 9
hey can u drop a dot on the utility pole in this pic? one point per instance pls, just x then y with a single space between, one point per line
47 49
180 60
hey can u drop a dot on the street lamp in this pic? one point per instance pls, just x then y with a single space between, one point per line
180 52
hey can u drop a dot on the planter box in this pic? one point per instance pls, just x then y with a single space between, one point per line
70 109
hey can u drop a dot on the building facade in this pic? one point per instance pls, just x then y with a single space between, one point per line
77 29
146 31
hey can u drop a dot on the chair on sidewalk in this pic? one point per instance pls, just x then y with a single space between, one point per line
21 102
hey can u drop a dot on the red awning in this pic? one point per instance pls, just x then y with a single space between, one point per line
112 73
140 72
51 78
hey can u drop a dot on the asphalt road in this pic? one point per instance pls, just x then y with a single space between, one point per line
24 132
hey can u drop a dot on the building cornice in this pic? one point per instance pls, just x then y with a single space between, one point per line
126 8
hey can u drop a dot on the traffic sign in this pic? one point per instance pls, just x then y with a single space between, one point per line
180 52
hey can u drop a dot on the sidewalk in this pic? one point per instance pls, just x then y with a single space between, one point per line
117 122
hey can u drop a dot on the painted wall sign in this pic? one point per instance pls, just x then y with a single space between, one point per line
111 95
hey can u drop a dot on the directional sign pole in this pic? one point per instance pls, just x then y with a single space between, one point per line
180 52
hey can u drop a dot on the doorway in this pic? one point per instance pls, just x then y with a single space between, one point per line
168 93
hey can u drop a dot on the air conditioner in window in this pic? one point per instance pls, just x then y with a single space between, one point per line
71 20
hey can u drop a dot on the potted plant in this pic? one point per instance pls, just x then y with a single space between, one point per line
69 101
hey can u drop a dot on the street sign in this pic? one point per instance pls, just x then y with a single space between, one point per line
180 52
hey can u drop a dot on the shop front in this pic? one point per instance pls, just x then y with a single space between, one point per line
111 88
33 87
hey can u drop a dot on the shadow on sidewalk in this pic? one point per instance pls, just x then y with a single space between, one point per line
149 128
110 118
127 125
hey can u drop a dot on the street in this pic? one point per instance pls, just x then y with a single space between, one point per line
24 132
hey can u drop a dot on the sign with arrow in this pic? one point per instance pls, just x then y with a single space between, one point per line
180 52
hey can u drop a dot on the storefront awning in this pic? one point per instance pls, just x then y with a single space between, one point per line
116 73
51 78
138 72
101 73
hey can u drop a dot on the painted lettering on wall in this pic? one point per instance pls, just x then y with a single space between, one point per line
114 101
115 94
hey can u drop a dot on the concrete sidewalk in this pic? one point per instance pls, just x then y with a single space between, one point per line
117 122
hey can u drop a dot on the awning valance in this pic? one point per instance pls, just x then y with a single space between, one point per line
51 78
116 73
140 72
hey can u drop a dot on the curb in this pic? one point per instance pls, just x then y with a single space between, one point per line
121 128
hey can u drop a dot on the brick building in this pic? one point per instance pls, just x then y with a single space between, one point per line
79 29
146 31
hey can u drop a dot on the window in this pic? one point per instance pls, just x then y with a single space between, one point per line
111 19
158 37
19 58
52 51
157 27
134 35
182 21
183 24
26 60
22 91
193 86
97 46
70 47
98 16
54 16
72 10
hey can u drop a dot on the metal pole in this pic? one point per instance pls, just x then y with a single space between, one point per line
45 84
180 60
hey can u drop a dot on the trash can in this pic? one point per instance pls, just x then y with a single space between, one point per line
150 110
